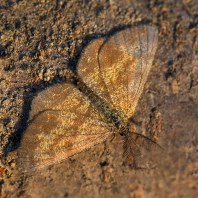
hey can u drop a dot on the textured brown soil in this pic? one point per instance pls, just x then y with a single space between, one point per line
39 40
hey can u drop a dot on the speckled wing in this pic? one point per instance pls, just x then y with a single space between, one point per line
117 68
62 123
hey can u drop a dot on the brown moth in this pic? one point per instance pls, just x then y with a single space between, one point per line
66 119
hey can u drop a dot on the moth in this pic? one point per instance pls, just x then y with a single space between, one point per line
68 118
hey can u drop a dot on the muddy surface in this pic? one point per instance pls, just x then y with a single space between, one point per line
40 40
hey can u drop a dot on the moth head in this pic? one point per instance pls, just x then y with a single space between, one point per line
123 131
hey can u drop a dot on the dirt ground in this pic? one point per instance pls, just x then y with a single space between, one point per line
39 40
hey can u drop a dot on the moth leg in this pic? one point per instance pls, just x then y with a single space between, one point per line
107 145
